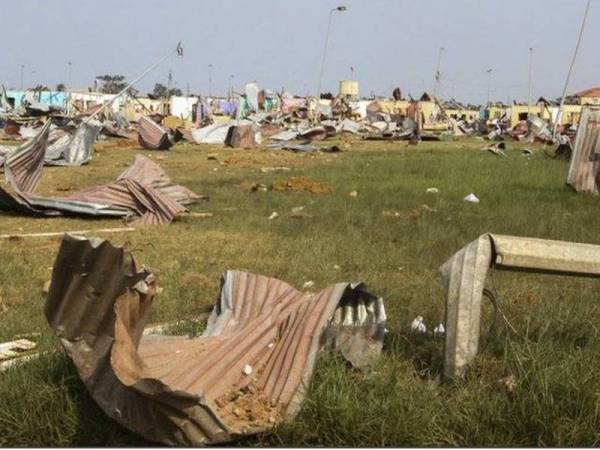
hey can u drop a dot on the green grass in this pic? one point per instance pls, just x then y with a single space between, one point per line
554 359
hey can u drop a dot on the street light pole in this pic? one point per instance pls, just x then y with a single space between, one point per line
210 80
340 9
69 75
231 86
438 74
22 75
489 72
530 81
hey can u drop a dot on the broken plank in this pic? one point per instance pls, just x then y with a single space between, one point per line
61 233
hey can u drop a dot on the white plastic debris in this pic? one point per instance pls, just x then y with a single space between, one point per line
439 330
418 326
297 209
274 215
471 198
247 370
308 284
353 194
336 267
432 190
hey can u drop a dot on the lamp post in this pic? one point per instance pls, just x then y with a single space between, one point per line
489 87
340 8
529 95
438 73
210 80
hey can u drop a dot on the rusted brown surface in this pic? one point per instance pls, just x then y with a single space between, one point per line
240 136
23 167
245 374
585 162
151 135
143 193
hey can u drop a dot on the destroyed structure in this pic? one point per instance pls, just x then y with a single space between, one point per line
246 373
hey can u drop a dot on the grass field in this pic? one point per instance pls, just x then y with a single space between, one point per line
384 236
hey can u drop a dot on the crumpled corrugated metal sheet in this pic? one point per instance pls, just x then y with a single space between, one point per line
247 372
585 163
143 193
23 166
464 275
75 149
152 136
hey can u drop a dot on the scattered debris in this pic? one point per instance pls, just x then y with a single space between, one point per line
471 198
432 190
353 194
152 136
308 285
208 400
143 194
439 330
274 215
418 325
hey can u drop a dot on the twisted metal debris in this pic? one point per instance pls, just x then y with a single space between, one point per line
248 371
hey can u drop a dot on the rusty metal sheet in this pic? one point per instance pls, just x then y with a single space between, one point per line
464 275
585 163
23 166
143 193
245 374
240 136
152 136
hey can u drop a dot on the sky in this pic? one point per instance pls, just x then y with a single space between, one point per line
279 44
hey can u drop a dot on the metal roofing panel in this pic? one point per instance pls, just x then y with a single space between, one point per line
585 164
245 374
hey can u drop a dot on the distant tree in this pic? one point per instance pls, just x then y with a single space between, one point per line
161 91
60 87
112 84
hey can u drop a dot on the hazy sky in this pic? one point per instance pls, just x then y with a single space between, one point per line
279 43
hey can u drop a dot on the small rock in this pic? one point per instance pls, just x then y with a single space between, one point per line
336 267
238 412
46 287
353 194
247 370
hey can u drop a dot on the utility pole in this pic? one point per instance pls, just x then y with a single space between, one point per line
22 75
69 75
231 86
529 96
169 83
438 73
564 93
